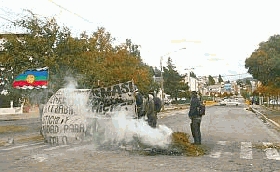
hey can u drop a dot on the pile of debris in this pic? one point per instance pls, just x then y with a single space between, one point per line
180 146
180 142
267 146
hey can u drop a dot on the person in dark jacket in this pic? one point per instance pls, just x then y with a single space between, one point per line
139 104
195 118
158 106
150 110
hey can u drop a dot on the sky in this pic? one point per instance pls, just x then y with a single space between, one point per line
208 37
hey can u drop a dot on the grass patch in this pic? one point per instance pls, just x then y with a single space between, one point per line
12 128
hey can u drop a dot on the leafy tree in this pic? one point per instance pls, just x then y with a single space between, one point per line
211 80
244 94
220 79
239 82
248 82
172 80
226 94
157 72
133 49
192 74
183 90
264 62
91 60
35 48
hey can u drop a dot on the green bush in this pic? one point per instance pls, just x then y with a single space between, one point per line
5 100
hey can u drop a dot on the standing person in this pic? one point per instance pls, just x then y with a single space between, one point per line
158 105
139 103
152 119
195 118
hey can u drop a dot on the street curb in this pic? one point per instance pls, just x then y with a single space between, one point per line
12 117
273 122
18 138
161 113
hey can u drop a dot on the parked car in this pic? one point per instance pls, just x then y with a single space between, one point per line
229 102
167 101
274 102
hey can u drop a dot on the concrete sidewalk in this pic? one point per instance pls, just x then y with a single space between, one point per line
8 138
268 114
31 114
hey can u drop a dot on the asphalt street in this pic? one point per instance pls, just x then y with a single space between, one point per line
236 140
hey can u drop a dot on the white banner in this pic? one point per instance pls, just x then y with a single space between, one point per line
113 98
65 116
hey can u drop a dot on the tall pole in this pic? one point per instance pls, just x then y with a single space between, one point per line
161 84
190 81
189 76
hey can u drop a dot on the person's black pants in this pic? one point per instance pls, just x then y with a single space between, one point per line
195 128
152 121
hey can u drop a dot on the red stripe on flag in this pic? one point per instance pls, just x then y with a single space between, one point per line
25 83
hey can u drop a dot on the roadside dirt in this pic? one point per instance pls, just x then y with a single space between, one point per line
31 138
22 139
12 129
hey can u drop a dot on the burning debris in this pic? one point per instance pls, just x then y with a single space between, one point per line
268 146
180 141
107 117
179 145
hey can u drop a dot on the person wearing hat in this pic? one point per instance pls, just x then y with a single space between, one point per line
195 118
150 110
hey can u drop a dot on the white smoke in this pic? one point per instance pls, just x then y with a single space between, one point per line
119 126
125 129
77 99
71 83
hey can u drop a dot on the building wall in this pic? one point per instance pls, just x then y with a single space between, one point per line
193 84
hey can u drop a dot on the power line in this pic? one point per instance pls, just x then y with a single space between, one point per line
7 19
232 75
7 13
235 74
70 11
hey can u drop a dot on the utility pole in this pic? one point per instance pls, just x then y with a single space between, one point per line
161 83
189 77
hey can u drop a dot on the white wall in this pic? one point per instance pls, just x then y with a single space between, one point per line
193 84
10 111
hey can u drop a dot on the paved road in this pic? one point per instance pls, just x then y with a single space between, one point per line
19 130
235 138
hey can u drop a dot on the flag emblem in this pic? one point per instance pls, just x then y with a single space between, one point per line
29 79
